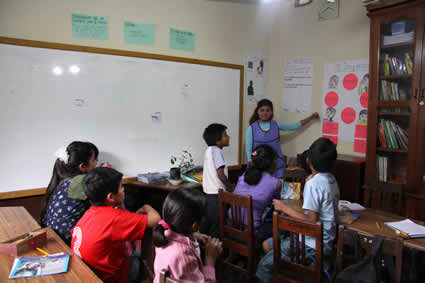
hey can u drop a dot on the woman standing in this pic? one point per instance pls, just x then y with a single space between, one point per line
264 130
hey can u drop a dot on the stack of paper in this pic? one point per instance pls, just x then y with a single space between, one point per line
346 205
408 227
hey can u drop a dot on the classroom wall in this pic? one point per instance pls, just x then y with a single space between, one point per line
225 31
297 32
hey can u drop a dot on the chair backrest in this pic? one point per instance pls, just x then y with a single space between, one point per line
234 234
392 247
164 277
388 197
296 268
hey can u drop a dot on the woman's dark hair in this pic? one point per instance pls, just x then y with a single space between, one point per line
263 157
99 182
261 103
78 153
181 209
322 155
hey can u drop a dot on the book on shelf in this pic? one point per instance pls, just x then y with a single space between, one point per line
396 65
398 38
194 175
408 228
38 266
291 190
152 177
392 91
392 136
382 168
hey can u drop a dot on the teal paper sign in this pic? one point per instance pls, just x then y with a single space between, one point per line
90 27
182 40
137 33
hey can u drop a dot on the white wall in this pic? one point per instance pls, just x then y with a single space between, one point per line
224 33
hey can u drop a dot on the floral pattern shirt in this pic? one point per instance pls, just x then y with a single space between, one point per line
63 212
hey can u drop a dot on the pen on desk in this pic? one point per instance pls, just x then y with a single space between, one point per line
378 226
404 235
43 251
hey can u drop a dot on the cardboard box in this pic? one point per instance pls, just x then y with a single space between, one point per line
21 244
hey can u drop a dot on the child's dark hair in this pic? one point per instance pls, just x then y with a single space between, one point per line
363 112
261 103
181 209
303 161
78 153
263 157
94 149
213 133
99 182
322 155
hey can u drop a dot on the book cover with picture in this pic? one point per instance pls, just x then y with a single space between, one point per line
291 190
347 217
38 266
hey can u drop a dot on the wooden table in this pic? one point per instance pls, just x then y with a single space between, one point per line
366 224
15 221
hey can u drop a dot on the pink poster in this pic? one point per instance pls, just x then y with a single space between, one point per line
334 139
360 146
361 132
330 128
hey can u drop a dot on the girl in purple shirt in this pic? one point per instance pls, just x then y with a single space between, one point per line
259 183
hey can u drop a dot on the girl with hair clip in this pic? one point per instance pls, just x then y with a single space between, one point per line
178 242
259 183
65 200
264 130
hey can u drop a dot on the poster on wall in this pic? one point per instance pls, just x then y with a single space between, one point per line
298 85
255 85
345 99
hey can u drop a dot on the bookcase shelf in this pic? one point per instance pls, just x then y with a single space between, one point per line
396 120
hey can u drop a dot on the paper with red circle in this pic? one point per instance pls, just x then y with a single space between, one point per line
331 128
360 132
360 145
333 139
348 115
364 99
331 99
350 81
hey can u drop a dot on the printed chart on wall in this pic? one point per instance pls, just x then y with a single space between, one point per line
345 98
255 77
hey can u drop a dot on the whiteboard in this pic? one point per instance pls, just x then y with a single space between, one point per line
109 102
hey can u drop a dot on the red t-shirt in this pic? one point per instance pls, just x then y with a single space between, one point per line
99 239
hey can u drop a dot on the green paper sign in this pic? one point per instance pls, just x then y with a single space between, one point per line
90 27
182 40
137 33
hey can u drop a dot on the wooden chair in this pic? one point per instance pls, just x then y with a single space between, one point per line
235 235
164 277
296 269
385 196
392 247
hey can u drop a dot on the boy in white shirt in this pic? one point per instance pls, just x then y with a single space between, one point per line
321 197
214 176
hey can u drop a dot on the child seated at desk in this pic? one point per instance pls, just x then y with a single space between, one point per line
100 236
321 197
214 177
259 183
178 242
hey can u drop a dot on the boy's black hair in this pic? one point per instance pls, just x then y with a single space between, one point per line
213 133
322 155
99 182
181 209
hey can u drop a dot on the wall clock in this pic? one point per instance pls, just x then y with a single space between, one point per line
328 10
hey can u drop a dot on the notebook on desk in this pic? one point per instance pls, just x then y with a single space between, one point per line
408 227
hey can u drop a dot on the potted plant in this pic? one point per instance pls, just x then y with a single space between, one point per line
181 164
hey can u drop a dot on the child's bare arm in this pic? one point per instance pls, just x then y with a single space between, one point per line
311 216
153 215
224 180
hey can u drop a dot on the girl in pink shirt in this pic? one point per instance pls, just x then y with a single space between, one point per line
178 243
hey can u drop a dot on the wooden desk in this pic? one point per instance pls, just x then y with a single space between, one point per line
15 221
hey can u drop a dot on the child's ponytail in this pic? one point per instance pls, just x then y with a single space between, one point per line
158 236
263 157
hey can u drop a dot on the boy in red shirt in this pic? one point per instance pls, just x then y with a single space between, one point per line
100 236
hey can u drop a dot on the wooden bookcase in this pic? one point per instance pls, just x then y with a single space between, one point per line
396 127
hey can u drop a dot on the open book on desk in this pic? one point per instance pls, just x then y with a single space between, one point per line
408 227
41 265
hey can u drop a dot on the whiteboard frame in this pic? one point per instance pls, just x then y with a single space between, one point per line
117 52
